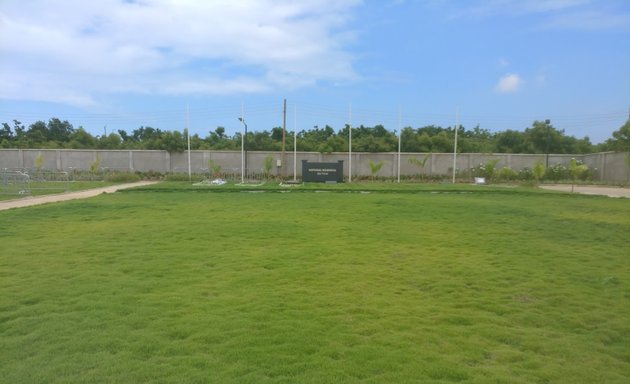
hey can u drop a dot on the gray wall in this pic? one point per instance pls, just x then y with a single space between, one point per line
608 166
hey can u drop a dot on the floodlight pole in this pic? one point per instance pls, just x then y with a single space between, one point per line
399 139
350 144
455 145
548 124
295 143
244 149
188 140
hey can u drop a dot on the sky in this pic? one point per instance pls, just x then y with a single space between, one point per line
108 65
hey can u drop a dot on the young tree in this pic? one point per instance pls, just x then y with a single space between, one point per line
420 163
375 168
578 171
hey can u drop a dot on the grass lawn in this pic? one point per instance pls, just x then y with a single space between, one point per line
177 285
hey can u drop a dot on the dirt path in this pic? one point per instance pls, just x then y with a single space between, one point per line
36 200
591 190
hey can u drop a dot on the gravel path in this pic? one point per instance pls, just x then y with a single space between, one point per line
36 200
591 190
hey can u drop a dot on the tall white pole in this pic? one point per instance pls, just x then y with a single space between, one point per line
242 147
295 143
350 144
399 139
455 145
188 139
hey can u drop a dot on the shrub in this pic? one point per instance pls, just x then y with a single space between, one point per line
526 174
487 169
508 174
268 166
539 171
215 169
96 165
557 172
183 177
39 162
579 170
122 177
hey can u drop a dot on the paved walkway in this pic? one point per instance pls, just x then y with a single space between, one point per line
36 200
591 190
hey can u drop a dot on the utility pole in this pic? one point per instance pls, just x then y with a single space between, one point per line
284 136
547 124
294 143
455 144
188 140
350 143
399 140
244 174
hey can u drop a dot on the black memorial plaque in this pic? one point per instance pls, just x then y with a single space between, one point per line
322 172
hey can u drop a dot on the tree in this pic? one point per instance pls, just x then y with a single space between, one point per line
621 139
511 141
6 136
171 141
409 141
81 139
111 141
544 138
59 131
126 139
20 134
317 139
37 134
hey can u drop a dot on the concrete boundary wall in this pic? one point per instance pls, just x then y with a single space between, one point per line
607 166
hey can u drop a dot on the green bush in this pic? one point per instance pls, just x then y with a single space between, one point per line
508 174
122 177
557 172
487 169
539 171
527 174
579 171
183 177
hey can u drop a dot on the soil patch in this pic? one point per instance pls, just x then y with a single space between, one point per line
591 190
37 200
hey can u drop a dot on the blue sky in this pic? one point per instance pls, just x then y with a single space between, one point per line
114 64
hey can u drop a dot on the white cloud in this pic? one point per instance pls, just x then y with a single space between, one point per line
73 50
509 83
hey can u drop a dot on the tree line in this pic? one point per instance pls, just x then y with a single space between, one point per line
541 137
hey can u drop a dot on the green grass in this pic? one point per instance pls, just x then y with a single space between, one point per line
171 285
